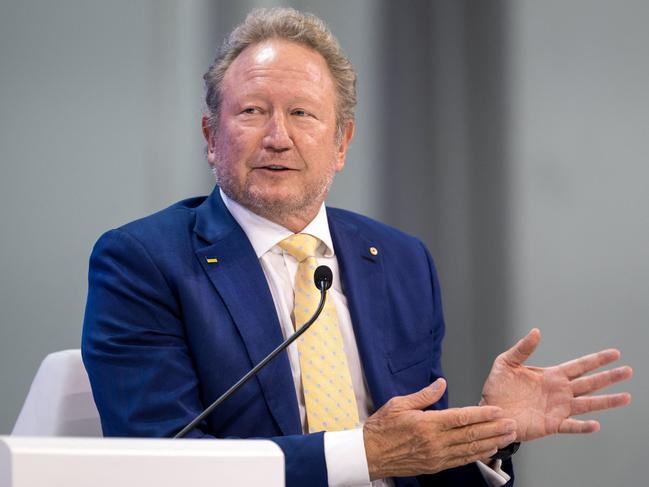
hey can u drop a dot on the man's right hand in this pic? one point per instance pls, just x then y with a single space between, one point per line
402 440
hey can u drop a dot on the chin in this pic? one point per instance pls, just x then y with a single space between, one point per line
274 197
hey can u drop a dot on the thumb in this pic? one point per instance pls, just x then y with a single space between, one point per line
525 347
424 397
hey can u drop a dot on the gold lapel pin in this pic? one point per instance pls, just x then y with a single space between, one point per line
212 260
374 251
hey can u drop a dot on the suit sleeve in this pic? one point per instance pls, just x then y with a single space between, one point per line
140 368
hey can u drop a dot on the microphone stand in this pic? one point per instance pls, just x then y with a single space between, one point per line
323 286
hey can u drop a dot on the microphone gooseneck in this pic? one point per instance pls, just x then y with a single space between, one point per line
322 278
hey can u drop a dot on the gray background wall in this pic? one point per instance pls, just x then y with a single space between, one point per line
511 136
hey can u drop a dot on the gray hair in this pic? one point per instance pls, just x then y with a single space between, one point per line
289 24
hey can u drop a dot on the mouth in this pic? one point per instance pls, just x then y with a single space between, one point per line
275 168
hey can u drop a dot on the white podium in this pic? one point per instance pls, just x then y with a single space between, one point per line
124 462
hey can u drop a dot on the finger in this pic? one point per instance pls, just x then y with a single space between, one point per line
582 365
481 431
459 417
595 382
576 426
423 398
520 352
587 404
482 448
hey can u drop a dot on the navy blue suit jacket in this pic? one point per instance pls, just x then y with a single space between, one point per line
166 332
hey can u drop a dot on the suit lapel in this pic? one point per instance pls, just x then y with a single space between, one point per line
239 279
364 286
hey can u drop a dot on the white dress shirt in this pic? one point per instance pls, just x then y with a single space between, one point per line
344 450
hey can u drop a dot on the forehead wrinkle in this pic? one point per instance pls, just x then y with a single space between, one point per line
307 73
260 82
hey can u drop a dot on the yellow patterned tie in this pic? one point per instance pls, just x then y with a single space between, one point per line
328 392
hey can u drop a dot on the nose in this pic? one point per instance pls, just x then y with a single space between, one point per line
277 137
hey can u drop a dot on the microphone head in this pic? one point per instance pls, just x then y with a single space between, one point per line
323 277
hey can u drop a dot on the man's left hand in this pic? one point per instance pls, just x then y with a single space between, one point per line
543 401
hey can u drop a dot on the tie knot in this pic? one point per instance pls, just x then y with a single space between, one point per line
301 246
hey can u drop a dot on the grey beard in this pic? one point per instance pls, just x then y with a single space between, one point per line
277 210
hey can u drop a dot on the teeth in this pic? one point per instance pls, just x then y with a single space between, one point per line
276 167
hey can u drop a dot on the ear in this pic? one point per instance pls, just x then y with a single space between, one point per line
208 133
348 133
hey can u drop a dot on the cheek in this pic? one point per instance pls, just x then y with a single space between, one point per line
244 141
235 147
317 140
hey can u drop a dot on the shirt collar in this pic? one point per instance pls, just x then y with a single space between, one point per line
265 234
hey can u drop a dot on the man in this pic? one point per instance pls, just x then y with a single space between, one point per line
183 303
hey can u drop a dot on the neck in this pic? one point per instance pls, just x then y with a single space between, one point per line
295 221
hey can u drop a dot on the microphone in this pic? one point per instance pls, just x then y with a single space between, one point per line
322 278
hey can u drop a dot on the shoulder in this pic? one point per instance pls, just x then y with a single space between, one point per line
351 230
170 227
175 217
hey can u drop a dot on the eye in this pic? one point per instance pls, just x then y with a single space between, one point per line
250 110
300 112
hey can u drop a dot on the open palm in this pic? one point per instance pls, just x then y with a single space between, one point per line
543 401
